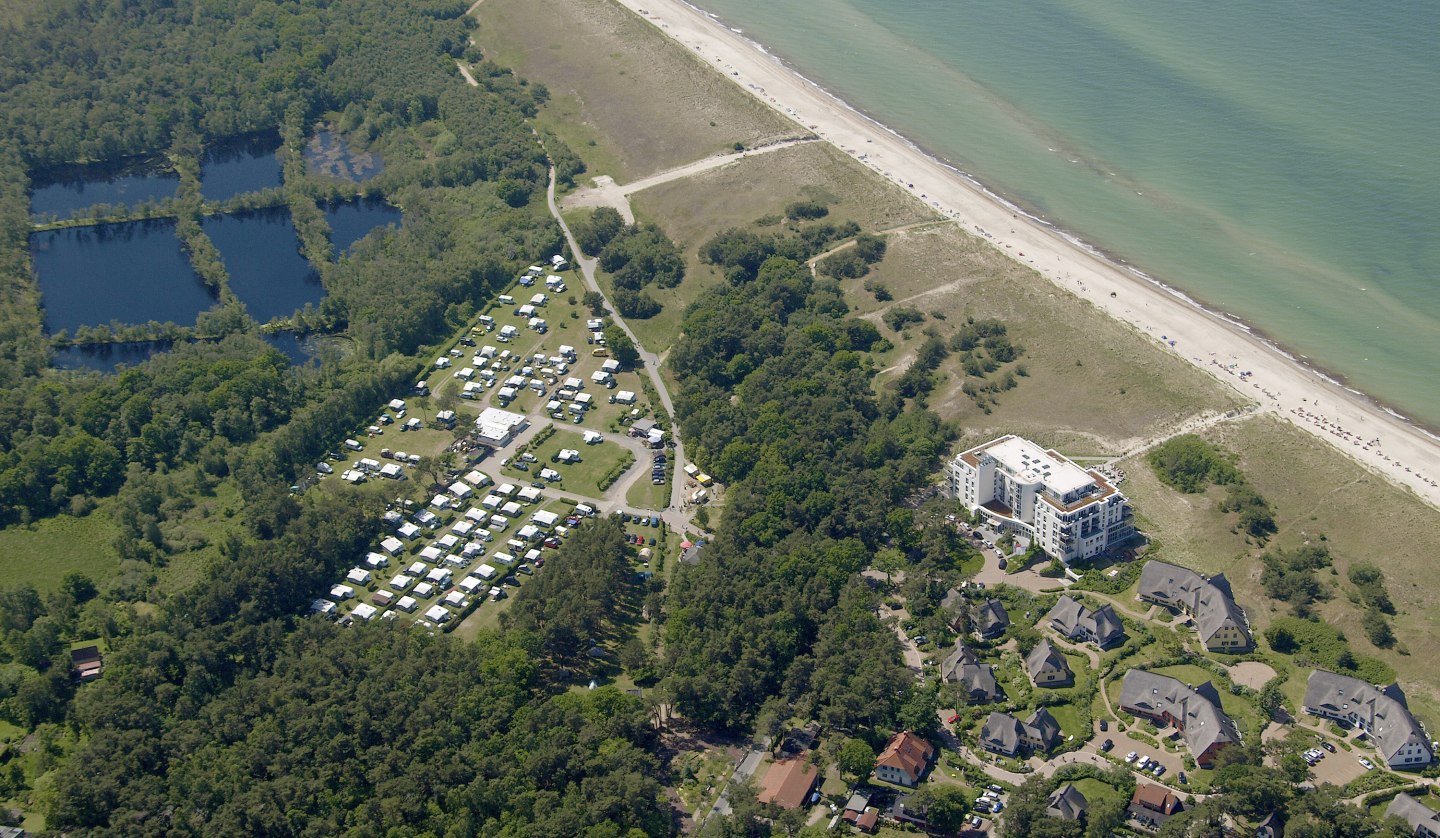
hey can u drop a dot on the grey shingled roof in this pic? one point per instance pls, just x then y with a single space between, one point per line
1074 620
961 666
1207 600
1384 712
1001 732
1196 710
991 617
1045 656
1414 812
1042 726
1066 802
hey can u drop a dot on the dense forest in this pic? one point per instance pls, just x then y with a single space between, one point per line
818 466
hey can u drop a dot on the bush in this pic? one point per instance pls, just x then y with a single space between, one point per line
1190 464
1377 629
809 210
899 317
1369 580
637 304
1318 644
880 290
844 265
870 248
598 230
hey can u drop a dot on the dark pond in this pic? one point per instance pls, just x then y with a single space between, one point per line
350 222
299 350
238 165
63 190
106 357
329 154
133 272
262 255
109 357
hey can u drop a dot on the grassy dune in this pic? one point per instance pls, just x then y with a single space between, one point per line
692 210
1124 387
628 101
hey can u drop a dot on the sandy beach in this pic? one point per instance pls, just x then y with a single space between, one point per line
1279 384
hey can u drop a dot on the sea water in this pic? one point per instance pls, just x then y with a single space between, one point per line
1278 161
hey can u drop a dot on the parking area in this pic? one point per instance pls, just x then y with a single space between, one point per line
1124 744
1340 767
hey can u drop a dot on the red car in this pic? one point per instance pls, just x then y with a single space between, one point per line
552 543
953 719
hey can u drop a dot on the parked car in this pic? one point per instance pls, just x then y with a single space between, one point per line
537 484
1184 781
1325 743
992 786
1106 746
1367 764
1130 757
525 569
1159 770
1104 725
552 542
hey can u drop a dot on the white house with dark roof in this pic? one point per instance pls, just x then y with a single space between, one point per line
1079 624
1424 820
1218 620
1379 711
1194 711
1047 667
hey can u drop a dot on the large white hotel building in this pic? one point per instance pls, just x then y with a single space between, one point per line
1015 484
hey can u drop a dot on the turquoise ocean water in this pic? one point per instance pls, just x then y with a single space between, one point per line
1278 161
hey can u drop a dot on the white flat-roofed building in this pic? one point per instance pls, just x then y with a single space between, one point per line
1015 484
497 427
365 611
545 519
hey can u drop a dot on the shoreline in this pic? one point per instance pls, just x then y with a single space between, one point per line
1370 432
1074 239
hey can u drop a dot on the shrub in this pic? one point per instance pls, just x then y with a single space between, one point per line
808 210
1190 464
898 317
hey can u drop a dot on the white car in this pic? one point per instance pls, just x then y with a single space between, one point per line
1367 764
1130 757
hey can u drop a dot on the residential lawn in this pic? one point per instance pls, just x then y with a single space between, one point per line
639 103
1094 790
582 477
41 554
1070 722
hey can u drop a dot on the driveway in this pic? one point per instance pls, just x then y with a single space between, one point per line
743 771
